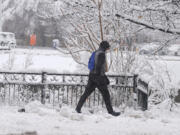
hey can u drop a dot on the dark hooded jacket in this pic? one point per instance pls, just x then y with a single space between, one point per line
100 59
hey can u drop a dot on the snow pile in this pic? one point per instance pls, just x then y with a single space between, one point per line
38 108
67 113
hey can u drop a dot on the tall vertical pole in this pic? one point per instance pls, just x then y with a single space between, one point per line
1 14
100 17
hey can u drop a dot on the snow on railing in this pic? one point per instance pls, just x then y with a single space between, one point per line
17 88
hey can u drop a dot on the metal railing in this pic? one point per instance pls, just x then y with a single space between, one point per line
18 88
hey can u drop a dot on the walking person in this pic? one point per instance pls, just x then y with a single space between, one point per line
98 79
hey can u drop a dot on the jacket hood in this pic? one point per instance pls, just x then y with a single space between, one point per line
104 45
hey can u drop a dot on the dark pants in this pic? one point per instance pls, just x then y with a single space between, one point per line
101 83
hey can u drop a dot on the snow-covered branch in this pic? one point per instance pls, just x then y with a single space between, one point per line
148 25
165 6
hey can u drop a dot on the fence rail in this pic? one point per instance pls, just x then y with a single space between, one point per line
18 88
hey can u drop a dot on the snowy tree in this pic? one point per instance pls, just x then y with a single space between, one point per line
161 15
96 20
156 15
90 22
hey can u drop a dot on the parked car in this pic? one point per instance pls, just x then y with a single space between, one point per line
7 40
150 48
174 50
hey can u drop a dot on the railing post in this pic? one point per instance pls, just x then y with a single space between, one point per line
135 83
44 79
145 107
143 95
135 92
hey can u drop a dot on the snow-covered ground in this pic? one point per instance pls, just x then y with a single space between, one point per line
36 60
44 120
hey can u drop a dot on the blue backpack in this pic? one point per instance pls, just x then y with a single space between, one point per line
91 63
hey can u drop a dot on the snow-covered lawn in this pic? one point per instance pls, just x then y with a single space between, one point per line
36 60
44 120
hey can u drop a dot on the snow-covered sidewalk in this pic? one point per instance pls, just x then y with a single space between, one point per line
44 120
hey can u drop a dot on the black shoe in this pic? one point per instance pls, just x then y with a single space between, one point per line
115 113
78 110
22 110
